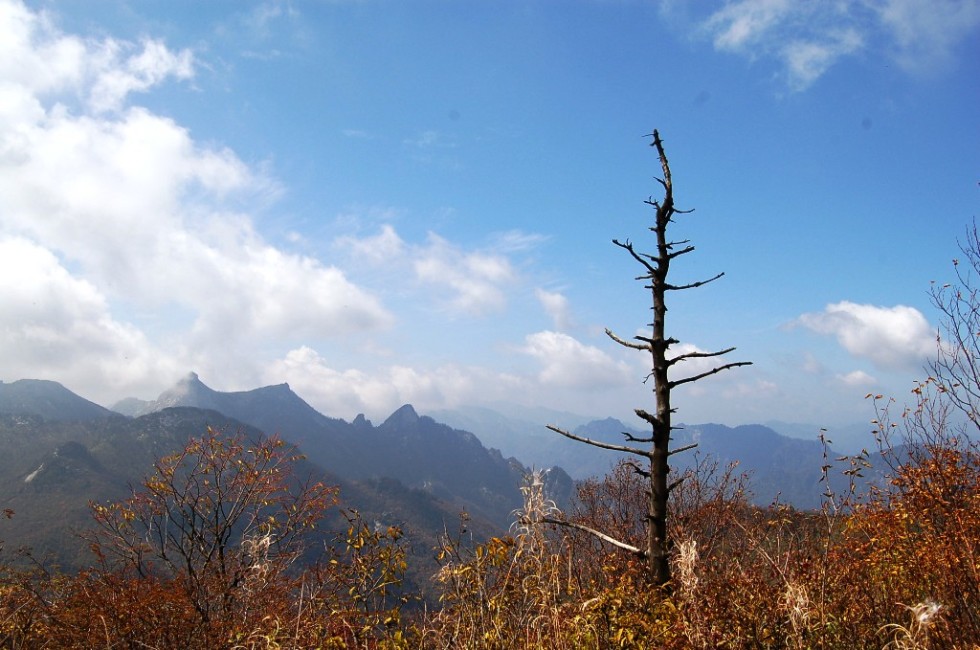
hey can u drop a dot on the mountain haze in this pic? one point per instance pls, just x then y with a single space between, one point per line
62 451
48 399
415 450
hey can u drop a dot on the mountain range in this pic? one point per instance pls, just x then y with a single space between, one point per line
62 451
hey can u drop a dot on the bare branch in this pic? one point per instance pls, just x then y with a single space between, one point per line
682 251
680 449
637 469
688 380
624 342
698 355
632 438
652 419
670 488
592 531
639 258
601 445
693 285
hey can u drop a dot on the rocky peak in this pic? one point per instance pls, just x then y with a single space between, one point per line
404 416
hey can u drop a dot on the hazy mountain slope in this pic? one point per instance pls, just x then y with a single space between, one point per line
515 434
48 399
417 451
788 468
51 470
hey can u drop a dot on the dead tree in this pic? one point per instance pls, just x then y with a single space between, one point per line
654 466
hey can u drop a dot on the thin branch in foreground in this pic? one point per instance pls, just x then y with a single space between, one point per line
708 373
601 445
592 531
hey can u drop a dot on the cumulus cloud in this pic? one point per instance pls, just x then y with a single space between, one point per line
141 208
345 393
41 60
567 362
896 337
119 73
126 212
809 37
57 326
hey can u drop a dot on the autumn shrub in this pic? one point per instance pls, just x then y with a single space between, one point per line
352 599
913 544
889 563
507 592
217 549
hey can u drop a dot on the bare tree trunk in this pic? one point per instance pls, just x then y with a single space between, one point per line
656 548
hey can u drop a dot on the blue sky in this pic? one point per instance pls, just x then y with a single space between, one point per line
385 202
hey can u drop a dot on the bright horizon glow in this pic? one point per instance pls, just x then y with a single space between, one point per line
386 203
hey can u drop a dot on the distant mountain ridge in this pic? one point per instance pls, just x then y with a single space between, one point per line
447 461
52 468
416 450
47 399
780 467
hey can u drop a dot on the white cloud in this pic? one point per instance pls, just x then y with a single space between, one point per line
517 241
56 326
556 305
896 337
142 209
809 37
430 139
139 217
472 282
359 134
345 393
35 56
926 31
387 247
741 24
117 75
857 378
476 279
567 362
807 61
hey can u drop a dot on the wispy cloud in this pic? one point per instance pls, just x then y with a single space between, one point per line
476 279
358 134
556 306
809 37
857 378
430 139
464 281
924 33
